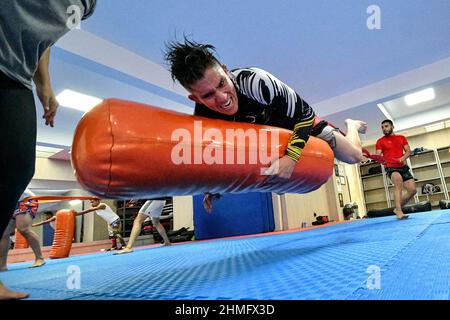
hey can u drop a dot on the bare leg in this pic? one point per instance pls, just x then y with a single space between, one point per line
161 231
410 186
348 148
6 294
398 186
23 223
135 232
5 244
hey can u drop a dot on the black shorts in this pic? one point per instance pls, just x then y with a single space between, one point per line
404 172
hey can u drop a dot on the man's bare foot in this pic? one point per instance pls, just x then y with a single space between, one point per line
400 215
6 294
38 263
124 250
361 126
166 244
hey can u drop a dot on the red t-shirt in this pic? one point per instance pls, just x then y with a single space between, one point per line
392 148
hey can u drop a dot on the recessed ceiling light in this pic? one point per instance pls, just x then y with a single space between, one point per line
420 96
75 100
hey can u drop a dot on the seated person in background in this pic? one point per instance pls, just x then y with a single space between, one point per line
111 218
254 95
151 209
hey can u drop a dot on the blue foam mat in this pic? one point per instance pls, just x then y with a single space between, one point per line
413 257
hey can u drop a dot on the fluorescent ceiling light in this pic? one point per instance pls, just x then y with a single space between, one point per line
46 152
420 96
75 100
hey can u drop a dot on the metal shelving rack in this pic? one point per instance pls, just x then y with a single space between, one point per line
376 195
427 168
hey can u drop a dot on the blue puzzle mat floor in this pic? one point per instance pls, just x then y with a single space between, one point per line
382 258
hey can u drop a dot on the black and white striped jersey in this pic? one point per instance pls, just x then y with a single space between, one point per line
264 99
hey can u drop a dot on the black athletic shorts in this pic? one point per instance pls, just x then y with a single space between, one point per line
404 172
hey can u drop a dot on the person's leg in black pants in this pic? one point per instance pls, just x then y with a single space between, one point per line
17 145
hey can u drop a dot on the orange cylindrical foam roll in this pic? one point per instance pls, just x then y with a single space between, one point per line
125 149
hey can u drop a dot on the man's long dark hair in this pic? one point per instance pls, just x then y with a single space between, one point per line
188 60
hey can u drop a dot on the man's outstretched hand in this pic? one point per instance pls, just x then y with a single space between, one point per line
281 169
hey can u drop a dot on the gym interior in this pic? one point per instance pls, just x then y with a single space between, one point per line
338 240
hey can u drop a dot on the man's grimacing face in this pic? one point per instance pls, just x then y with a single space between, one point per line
216 91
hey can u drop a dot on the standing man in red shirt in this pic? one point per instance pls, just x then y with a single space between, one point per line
395 149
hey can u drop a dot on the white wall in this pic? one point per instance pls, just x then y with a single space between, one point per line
301 207
355 186
183 212
48 169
